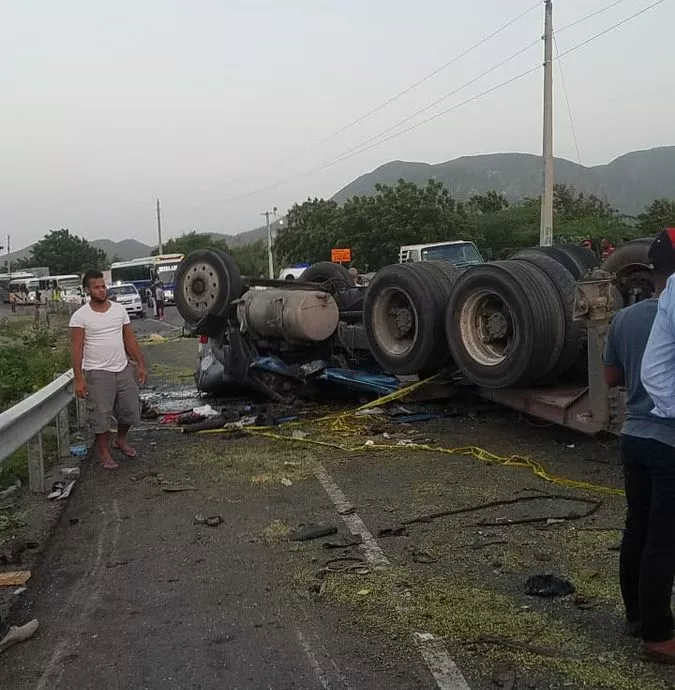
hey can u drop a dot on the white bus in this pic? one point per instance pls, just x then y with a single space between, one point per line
142 273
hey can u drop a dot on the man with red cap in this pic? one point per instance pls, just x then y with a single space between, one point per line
647 561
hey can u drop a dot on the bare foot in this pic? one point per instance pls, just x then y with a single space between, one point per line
109 463
124 446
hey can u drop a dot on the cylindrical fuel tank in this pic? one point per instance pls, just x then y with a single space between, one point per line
293 315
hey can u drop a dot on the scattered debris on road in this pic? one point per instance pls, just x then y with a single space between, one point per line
548 586
14 578
308 532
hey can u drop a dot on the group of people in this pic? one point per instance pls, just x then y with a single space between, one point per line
640 355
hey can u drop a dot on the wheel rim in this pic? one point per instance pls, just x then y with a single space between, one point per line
487 328
395 321
201 287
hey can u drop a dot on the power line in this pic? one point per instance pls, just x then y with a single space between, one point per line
475 79
425 78
351 152
567 99
502 84
444 97
589 16
611 28
395 97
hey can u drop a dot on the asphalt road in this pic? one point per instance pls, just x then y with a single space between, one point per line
134 592
131 593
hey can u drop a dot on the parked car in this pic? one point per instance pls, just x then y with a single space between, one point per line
128 296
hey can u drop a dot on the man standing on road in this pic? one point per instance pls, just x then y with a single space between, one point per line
647 561
159 299
102 337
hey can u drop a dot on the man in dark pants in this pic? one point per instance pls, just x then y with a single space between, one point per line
647 563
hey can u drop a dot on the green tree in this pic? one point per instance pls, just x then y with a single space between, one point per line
658 215
373 227
492 202
252 258
65 253
310 232
190 242
569 204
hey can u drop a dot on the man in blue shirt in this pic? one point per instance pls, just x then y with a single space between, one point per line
647 562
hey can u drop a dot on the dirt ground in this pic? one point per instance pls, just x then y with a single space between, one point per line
133 590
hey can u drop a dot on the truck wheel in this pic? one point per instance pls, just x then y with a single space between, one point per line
326 271
505 324
633 252
583 256
562 280
401 319
207 281
630 265
566 255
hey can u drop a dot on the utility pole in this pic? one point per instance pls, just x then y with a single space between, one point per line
546 227
270 258
159 229
9 251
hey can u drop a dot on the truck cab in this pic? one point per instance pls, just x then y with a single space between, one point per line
459 253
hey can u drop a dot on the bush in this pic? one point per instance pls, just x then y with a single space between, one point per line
30 361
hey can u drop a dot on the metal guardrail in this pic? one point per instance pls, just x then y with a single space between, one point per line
23 424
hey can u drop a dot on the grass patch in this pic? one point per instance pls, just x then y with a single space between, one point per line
399 603
14 469
171 374
276 532
219 459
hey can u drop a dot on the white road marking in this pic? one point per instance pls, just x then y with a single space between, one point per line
314 662
86 594
442 667
444 670
371 549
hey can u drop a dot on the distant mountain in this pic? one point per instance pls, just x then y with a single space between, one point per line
629 183
249 236
123 250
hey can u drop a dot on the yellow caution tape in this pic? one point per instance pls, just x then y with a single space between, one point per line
474 451
340 423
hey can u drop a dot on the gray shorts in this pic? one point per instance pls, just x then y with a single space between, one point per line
112 394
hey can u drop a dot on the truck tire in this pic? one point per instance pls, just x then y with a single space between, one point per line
633 252
327 272
403 320
563 281
207 281
629 264
576 262
505 324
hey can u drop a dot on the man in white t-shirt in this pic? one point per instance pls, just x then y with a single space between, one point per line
102 343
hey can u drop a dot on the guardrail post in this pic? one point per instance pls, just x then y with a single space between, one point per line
63 433
36 465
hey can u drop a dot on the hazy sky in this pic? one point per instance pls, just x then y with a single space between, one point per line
107 105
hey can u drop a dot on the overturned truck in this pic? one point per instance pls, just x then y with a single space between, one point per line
526 332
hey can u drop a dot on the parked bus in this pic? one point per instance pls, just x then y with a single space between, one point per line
142 272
